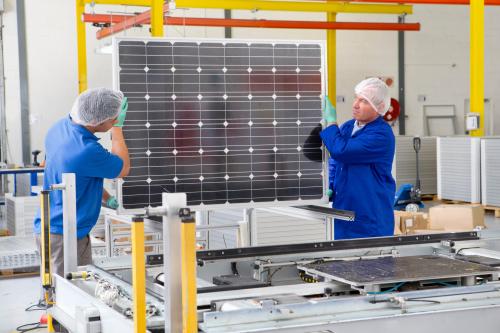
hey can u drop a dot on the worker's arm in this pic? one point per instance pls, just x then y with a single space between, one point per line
108 200
368 148
105 195
119 148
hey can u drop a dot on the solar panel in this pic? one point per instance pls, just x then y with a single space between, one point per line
226 122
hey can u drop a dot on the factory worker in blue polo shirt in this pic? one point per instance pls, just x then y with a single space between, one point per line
361 155
72 147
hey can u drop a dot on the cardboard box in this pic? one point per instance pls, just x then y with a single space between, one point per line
456 217
397 225
409 221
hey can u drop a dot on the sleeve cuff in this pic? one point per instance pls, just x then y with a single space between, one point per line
329 131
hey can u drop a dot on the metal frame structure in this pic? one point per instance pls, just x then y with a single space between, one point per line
23 83
68 186
3 125
244 23
328 313
331 8
173 202
157 25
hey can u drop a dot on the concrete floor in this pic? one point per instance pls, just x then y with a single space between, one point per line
18 293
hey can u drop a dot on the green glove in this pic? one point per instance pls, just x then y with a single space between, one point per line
329 112
123 113
329 193
112 203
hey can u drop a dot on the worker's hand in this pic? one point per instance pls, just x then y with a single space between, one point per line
329 112
112 203
123 113
329 193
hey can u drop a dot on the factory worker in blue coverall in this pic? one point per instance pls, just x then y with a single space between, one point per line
72 147
361 155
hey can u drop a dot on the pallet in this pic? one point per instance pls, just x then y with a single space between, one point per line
429 197
18 273
495 210
454 202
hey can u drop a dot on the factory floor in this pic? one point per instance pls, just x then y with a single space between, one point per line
16 294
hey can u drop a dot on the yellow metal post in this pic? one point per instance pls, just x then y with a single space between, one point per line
82 46
139 275
50 324
331 50
297 6
157 18
188 248
477 63
45 239
46 265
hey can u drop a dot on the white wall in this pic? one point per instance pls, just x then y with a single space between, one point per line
437 62
437 58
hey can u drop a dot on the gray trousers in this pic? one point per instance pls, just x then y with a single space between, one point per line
84 252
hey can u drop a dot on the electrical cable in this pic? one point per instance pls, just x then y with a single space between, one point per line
467 248
29 327
269 278
157 279
386 291
423 300
41 305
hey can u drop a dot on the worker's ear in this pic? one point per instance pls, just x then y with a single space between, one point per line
381 106
97 128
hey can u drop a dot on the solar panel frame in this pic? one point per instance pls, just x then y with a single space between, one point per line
250 204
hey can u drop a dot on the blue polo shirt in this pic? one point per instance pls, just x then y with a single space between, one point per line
71 148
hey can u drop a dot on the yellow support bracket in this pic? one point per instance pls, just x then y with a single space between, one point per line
477 63
138 275
293 6
188 269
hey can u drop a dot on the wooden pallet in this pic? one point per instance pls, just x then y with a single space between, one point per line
429 197
454 202
495 210
17 273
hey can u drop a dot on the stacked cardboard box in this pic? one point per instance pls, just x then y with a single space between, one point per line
441 218
407 222
456 217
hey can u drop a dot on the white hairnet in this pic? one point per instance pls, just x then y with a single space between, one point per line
95 106
376 92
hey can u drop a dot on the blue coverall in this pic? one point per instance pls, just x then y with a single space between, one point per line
361 177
